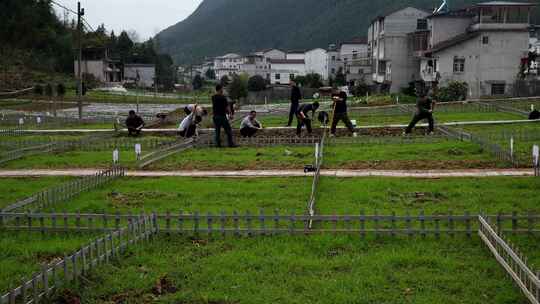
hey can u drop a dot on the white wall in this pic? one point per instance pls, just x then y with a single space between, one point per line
499 61
296 56
284 70
93 67
275 54
146 75
445 28
317 62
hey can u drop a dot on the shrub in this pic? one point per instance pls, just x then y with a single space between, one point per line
455 91
313 80
256 84
225 80
61 90
38 89
238 88
197 82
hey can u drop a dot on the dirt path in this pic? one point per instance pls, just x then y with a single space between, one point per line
282 173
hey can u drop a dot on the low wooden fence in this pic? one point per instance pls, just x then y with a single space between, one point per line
27 151
42 284
165 152
11 132
514 263
65 192
263 223
500 153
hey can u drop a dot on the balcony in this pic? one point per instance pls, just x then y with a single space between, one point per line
420 42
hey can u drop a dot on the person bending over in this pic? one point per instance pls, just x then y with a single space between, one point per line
340 112
189 126
200 111
304 118
221 109
250 125
424 110
134 124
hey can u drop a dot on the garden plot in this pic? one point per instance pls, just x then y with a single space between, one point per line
383 195
322 269
23 253
131 195
15 189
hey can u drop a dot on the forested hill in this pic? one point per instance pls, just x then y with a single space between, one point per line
221 26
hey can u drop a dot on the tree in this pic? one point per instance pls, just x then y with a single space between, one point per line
340 79
224 81
197 82
238 88
38 90
210 74
49 91
313 80
124 46
256 83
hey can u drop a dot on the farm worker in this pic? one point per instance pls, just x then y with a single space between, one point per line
134 124
221 109
302 115
250 125
340 112
296 95
425 106
200 110
188 126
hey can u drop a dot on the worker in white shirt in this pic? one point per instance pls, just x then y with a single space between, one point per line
250 125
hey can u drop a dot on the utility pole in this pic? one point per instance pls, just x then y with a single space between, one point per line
80 14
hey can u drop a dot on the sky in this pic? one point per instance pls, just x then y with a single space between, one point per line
146 17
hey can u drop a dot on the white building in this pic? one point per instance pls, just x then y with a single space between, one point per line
283 70
316 61
356 61
296 55
143 75
272 54
96 62
482 45
393 66
256 65
228 65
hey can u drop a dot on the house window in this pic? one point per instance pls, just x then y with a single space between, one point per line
498 89
382 67
333 58
291 76
355 55
421 24
459 65
278 76
485 40
333 71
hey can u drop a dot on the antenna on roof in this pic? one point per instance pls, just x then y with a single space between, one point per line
443 8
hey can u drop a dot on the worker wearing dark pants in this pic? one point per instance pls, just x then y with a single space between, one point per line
250 125
134 124
425 107
340 112
220 107
296 95
304 118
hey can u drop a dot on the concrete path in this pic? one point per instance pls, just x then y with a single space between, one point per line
281 173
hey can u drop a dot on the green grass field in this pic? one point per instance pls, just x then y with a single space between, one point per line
14 189
336 195
23 253
435 155
320 269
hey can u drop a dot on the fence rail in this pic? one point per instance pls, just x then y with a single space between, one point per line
276 223
165 152
513 262
65 192
111 246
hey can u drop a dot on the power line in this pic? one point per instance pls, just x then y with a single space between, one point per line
64 7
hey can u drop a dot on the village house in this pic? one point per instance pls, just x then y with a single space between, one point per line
482 45
393 66
227 65
96 62
141 75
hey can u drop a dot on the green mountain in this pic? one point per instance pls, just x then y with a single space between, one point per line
221 26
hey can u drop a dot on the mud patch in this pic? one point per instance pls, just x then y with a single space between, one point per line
414 199
136 199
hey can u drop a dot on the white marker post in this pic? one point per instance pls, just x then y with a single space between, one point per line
512 147
532 107
116 156
38 120
536 160
138 151
21 121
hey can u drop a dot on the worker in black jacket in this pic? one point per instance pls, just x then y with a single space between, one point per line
221 109
425 107
304 115
134 124
296 95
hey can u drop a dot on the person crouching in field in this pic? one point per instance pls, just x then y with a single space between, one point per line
340 112
250 125
189 125
134 124
304 118
424 110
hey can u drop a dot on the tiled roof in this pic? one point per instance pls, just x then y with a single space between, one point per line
287 61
